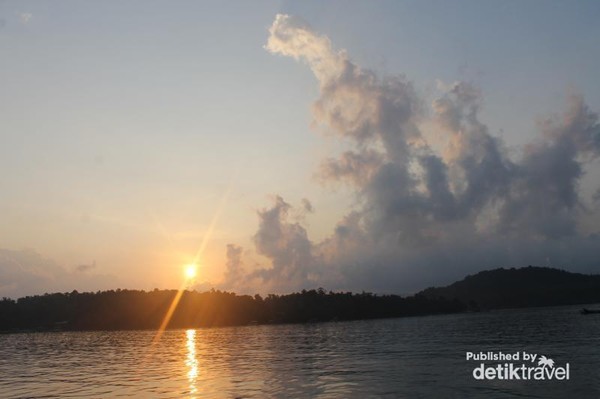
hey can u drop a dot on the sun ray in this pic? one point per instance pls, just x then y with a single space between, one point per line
205 239
213 224
169 314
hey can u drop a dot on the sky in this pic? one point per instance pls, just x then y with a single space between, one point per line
384 146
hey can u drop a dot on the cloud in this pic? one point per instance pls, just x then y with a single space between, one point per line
286 245
307 206
596 196
351 167
544 198
234 272
426 216
292 37
25 17
26 272
85 267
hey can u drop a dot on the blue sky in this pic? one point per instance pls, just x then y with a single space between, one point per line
125 123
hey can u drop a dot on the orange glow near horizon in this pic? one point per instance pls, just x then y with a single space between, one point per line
190 270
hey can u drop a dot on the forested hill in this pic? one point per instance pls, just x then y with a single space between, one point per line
526 287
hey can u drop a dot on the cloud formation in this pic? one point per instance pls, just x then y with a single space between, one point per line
234 272
25 17
425 217
26 272
83 268
286 245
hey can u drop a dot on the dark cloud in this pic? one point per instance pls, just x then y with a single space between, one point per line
307 206
596 196
544 197
286 245
85 267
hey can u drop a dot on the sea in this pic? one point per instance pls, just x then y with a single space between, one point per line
411 357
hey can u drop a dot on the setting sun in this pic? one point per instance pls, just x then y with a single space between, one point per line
190 271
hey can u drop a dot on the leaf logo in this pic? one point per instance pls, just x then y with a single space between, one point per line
544 361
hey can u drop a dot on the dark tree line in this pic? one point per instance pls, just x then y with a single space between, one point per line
132 309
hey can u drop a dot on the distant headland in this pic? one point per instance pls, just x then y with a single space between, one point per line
133 309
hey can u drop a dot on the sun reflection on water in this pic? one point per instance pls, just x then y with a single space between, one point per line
191 361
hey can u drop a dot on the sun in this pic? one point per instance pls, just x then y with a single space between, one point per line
190 271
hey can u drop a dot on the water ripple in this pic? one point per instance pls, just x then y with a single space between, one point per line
411 357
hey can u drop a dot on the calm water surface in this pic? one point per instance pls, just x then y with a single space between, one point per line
409 357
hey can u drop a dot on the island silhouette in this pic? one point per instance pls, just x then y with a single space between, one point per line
134 309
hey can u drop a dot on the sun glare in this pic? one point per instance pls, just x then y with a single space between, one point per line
190 271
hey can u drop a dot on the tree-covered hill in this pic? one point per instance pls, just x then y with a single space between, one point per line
526 287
